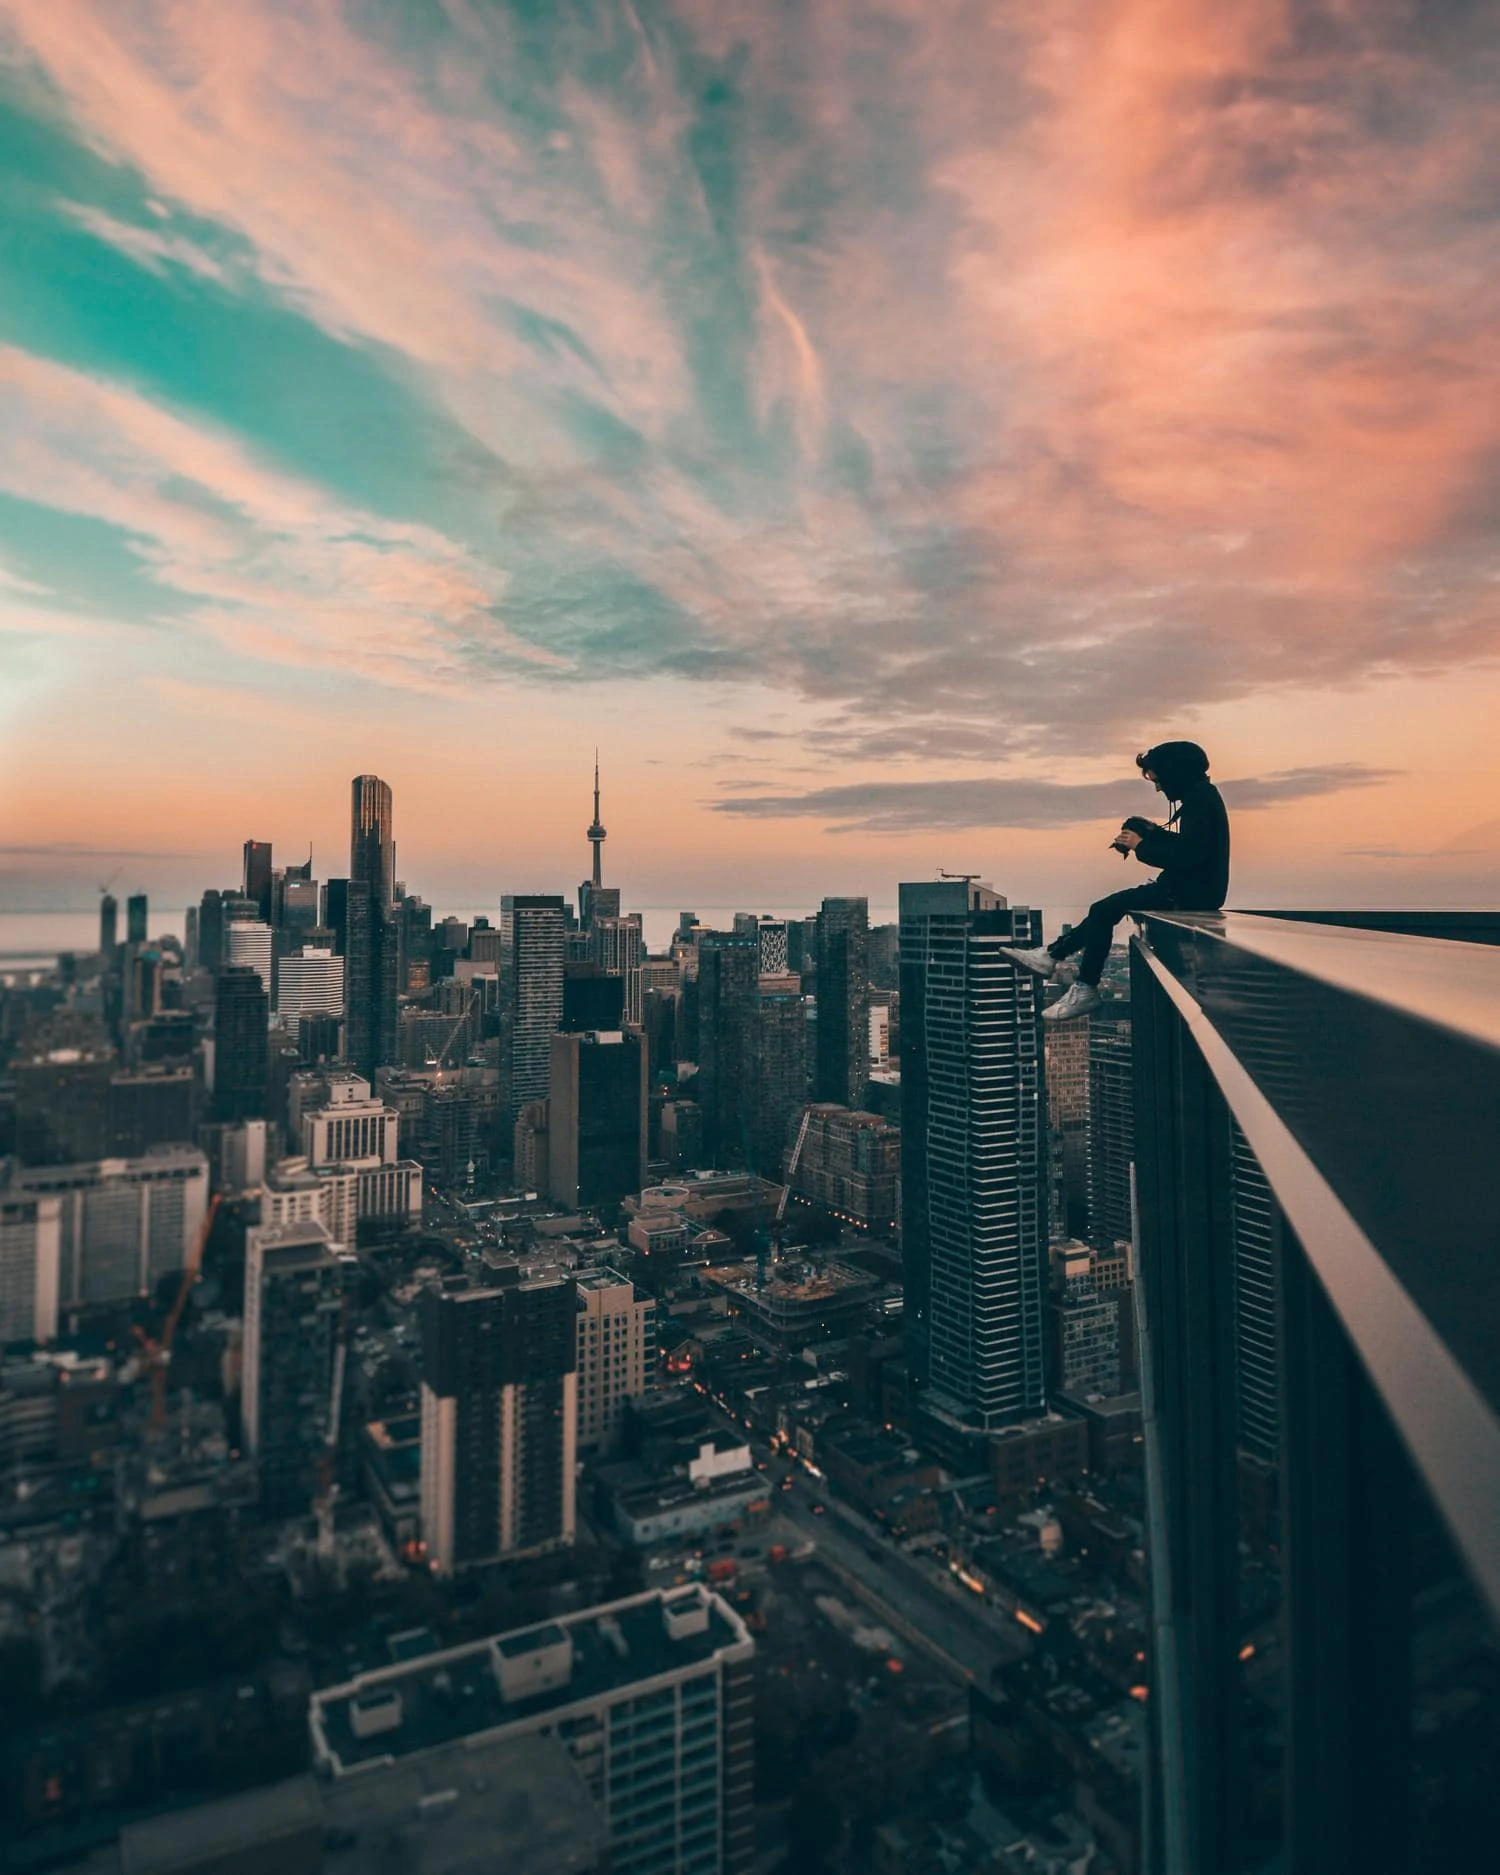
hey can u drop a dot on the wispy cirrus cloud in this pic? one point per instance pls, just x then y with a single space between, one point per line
1127 356
1021 803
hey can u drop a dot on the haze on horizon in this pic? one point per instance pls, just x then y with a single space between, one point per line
870 423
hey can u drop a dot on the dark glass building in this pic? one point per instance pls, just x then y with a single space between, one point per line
293 1310
974 1160
843 1028
242 1013
597 1117
728 1002
255 880
1111 1131
137 916
499 1417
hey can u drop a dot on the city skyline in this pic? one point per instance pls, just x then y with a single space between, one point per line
377 387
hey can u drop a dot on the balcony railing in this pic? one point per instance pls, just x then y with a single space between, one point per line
1326 1673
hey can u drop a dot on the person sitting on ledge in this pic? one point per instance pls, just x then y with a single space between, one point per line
1194 873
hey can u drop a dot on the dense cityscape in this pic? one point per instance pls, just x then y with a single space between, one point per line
491 1331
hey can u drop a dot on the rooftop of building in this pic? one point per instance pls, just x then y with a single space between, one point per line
398 1712
814 1285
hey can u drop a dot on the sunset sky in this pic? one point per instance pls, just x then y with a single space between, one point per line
870 423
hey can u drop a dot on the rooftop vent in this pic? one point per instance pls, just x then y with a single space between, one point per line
684 1614
370 1714
538 1661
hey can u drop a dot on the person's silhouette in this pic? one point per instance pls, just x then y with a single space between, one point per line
1194 872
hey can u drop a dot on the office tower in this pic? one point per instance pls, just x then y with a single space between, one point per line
109 914
530 1168
190 938
499 1417
885 957
30 1266
336 913
300 912
1068 1117
771 933
241 1054
251 944
150 1105
344 1124
974 1157
310 982
653 1697
615 1335
61 1075
851 1166
592 1000
372 850
211 931
255 877
136 917
533 949
453 935
372 962
843 1030
320 1039
777 1089
596 1110
1111 1149
415 917
123 1223
242 1156
616 945
1085 1325
294 1301
728 1000
1256 1340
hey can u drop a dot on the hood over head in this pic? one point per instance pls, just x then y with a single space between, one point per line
1176 765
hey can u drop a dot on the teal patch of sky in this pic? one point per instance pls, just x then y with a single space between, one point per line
86 564
330 412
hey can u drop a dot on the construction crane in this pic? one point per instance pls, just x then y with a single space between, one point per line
156 1353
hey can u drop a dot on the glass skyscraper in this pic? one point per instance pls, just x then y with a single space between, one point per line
974 1158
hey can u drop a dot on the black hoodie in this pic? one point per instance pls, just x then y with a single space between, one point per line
1194 860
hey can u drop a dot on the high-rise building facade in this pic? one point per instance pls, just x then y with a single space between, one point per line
30 1266
122 1223
372 846
974 1157
294 1300
728 1009
241 1054
499 1417
1068 1117
777 1090
371 930
211 930
137 916
1111 1149
250 944
851 1166
310 982
843 1027
255 878
109 919
653 1697
533 941
596 1155
616 1345
62 1079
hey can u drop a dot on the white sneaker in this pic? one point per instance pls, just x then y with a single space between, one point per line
1081 1000
1041 962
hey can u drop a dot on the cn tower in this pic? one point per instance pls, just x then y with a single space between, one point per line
596 831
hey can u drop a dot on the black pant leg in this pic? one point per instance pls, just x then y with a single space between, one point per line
1095 935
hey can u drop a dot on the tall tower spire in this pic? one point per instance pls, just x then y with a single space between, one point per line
596 831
